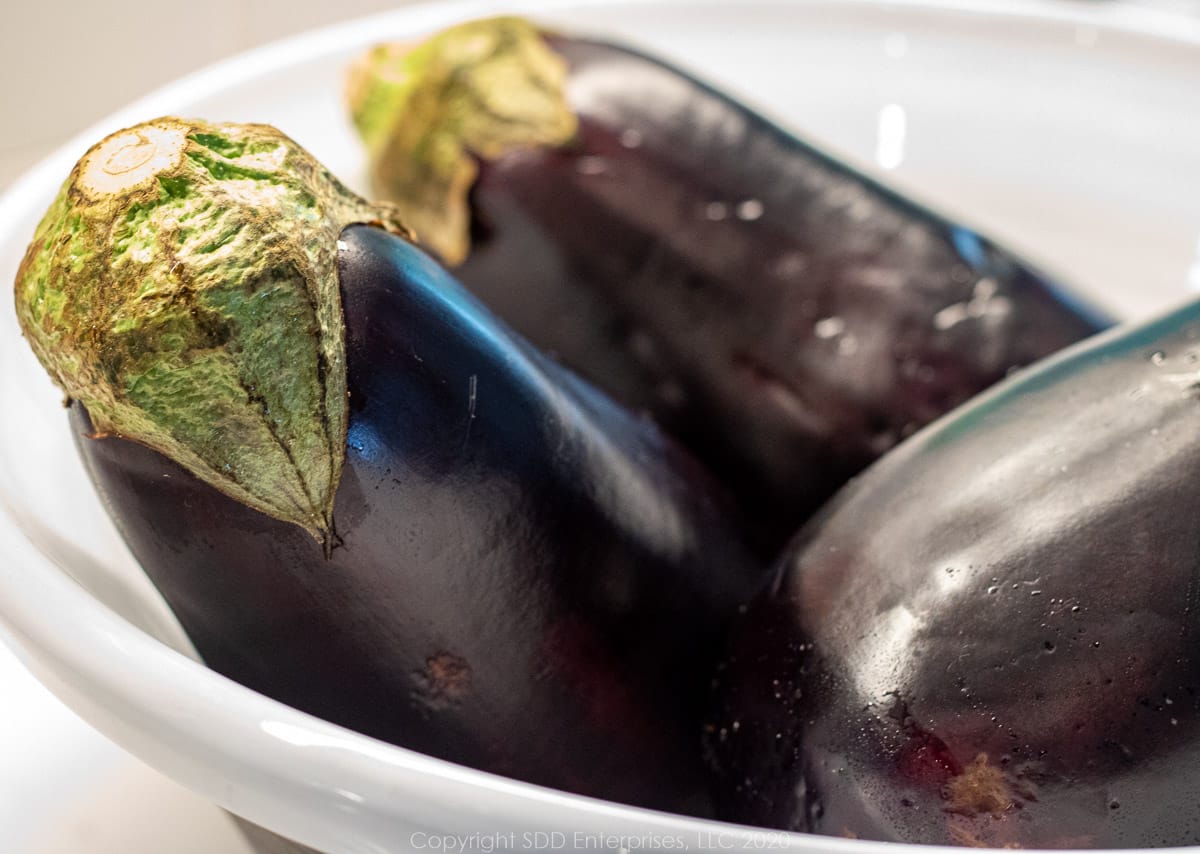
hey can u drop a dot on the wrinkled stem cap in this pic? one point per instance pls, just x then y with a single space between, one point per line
426 112
183 288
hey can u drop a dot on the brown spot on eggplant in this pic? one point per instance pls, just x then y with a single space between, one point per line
980 788
992 632
542 600
726 242
447 680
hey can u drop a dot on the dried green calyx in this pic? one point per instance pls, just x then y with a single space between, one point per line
183 287
425 112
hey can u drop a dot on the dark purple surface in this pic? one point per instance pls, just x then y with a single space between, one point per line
788 318
531 580
1010 597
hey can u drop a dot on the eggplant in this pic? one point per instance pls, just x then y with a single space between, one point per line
513 573
991 637
787 317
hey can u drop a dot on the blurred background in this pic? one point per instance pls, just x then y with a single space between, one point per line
66 65
64 70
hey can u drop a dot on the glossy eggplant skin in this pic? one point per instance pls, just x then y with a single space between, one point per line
530 580
991 637
789 318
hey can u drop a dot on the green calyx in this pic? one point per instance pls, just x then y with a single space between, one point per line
183 288
425 112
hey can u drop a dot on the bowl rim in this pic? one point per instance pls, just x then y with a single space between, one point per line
340 773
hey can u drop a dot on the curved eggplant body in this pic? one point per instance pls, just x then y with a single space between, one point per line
529 579
789 318
991 637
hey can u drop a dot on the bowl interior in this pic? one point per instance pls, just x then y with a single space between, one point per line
1070 133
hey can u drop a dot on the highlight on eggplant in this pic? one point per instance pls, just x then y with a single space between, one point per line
990 638
359 492
787 317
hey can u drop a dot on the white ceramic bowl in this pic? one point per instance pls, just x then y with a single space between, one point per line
1070 131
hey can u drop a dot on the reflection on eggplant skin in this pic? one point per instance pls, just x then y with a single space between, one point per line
789 318
530 580
992 636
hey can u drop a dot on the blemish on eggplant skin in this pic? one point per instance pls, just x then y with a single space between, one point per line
472 396
445 681
981 788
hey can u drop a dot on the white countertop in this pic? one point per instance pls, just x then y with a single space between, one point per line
65 789
107 53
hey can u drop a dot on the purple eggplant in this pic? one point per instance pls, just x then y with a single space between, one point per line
991 637
786 316
513 572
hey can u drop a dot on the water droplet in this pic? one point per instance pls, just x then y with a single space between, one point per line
993 589
950 316
842 194
984 289
716 211
1048 646
860 211
1158 357
829 327
749 210
631 138
591 166
790 264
